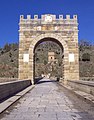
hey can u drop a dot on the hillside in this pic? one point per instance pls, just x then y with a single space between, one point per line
9 60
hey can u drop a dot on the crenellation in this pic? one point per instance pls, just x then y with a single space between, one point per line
50 16
35 17
60 17
75 17
67 17
28 17
21 17
42 17
54 17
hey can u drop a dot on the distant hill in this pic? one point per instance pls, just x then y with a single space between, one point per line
9 59
86 59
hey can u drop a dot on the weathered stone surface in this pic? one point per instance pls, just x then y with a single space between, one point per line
8 89
65 31
49 101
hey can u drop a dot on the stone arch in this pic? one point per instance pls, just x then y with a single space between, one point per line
60 39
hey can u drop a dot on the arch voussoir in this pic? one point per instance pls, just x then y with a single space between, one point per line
58 38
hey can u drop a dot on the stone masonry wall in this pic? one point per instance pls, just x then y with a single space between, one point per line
65 30
8 89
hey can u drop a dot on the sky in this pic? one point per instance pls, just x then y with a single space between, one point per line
10 11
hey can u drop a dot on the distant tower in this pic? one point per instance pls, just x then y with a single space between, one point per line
51 57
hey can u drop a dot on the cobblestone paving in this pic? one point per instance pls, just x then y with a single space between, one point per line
49 101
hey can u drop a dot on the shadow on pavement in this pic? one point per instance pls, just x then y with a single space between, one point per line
45 81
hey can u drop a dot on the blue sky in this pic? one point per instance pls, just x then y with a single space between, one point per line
10 10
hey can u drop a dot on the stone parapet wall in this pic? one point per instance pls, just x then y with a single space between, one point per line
85 86
87 78
2 80
10 88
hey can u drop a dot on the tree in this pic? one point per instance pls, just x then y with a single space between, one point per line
86 57
7 47
14 46
45 62
84 44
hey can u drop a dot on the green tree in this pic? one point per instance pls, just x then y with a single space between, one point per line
14 46
7 47
84 44
86 57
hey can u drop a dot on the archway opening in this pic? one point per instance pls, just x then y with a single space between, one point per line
48 59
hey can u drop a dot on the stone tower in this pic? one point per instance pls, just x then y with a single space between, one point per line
63 31
51 56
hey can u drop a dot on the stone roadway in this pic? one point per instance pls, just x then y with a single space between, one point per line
49 101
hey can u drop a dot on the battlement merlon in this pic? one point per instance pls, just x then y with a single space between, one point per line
48 18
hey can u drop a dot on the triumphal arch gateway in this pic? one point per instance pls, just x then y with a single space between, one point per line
63 30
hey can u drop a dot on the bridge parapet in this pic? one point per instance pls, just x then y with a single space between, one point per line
85 86
8 89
